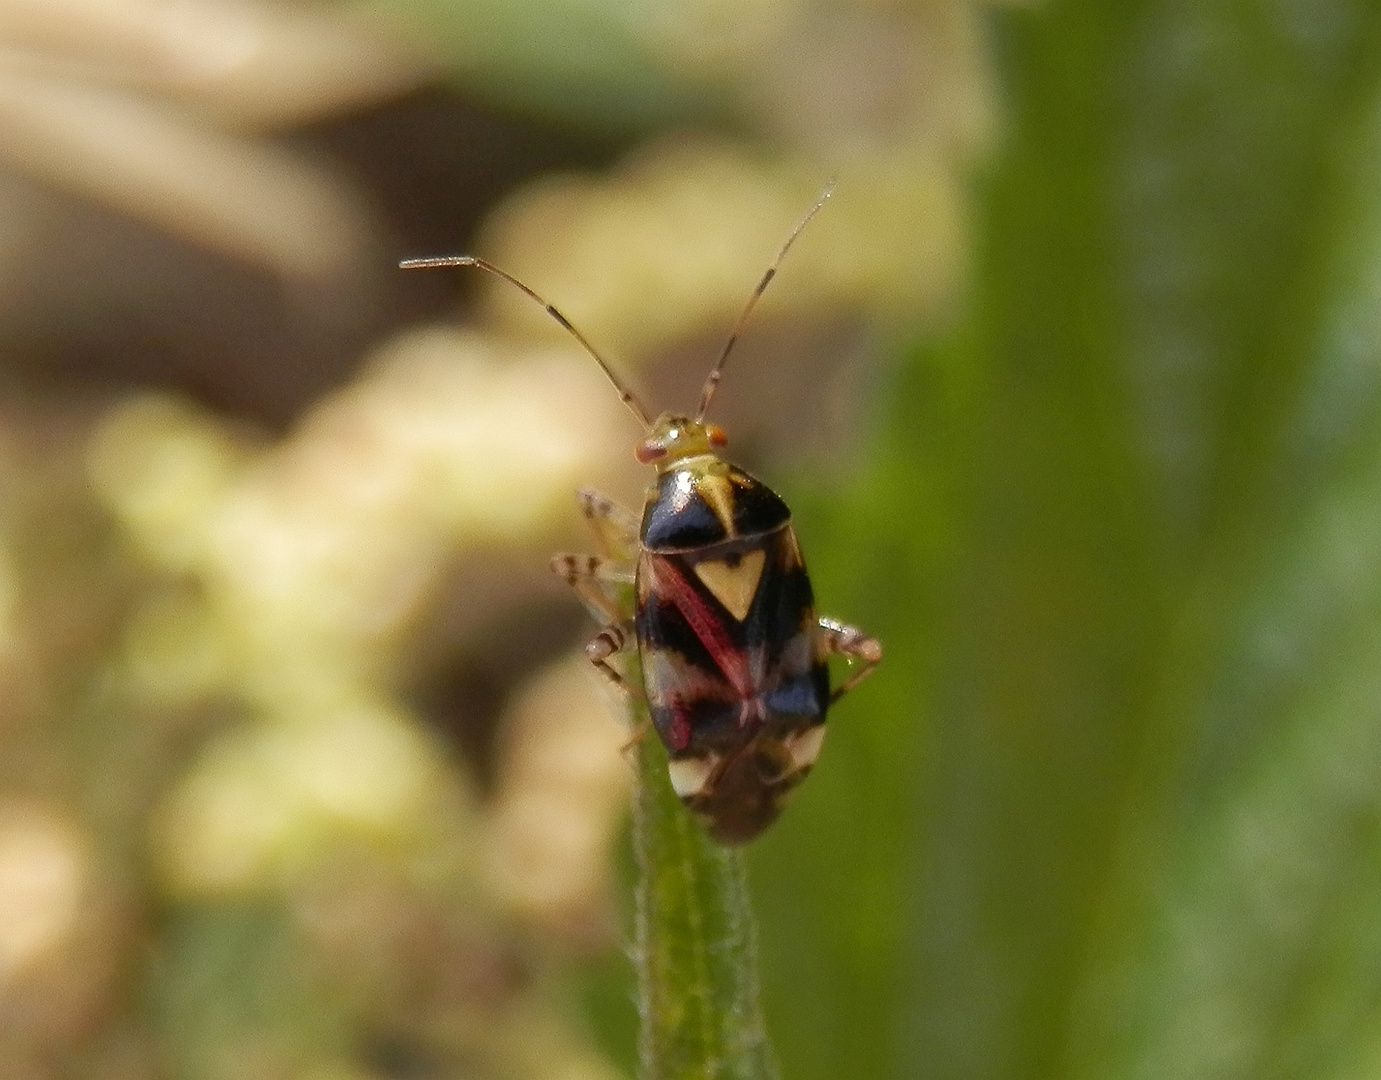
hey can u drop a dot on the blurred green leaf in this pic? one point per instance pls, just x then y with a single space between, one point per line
232 990
1111 806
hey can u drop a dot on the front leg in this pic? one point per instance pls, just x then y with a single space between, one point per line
615 528
852 644
602 585
604 582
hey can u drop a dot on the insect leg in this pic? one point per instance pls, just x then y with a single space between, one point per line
609 642
599 582
604 582
615 528
855 646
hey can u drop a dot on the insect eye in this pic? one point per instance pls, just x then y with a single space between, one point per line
649 450
716 435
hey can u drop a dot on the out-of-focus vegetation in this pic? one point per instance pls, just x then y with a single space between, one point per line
1075 387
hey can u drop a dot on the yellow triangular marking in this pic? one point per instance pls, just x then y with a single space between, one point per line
734 585
718 494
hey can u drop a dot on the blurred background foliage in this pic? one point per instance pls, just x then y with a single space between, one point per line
1075 387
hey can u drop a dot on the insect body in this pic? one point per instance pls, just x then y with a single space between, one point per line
733 656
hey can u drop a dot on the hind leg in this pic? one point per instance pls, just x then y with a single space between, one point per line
855 646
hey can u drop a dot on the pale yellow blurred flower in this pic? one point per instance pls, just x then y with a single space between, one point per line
264 796
44 870
562 792
314 554
669 246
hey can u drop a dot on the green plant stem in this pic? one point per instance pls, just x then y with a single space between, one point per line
695 944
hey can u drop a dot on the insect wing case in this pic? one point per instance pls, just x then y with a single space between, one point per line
736 686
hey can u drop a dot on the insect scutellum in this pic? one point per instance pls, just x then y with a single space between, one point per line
733 657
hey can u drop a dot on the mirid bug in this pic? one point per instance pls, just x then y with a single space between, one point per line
734 660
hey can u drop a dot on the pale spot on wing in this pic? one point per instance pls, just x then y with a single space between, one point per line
733 585
668 675
804 748
689 776
718 493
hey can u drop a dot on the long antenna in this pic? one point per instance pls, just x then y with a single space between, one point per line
625 394
717 372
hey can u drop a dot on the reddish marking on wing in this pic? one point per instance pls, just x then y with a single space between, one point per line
703 623
680 734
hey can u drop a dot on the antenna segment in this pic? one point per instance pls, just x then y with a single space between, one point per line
625 394
717 372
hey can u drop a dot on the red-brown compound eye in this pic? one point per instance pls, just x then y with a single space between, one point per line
716 435
648 451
